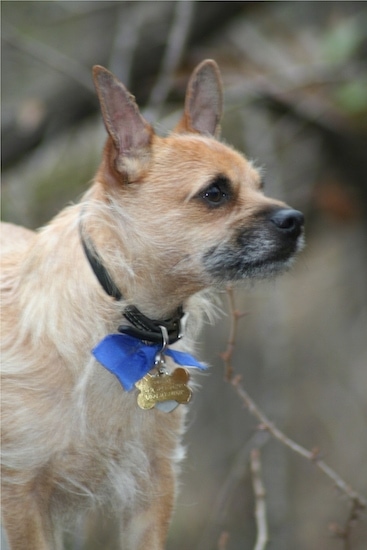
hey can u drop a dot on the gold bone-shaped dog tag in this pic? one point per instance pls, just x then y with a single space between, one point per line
163 387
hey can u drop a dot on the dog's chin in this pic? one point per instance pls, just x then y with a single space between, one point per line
224 264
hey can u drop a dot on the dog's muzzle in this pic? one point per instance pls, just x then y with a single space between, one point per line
263 247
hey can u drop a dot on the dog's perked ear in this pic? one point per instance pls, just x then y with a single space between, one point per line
129 131
204 101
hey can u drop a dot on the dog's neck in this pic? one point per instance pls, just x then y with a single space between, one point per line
140 326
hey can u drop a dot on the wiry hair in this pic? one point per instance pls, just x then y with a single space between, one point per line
71 436
59 314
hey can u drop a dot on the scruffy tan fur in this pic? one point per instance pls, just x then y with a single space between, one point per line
72 438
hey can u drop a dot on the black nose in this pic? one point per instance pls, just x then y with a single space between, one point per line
288 221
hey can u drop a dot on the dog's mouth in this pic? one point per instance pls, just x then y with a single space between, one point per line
263 250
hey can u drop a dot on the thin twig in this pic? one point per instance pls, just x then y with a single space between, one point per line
345 533
260 504
228 353
312 456
358 502
235 474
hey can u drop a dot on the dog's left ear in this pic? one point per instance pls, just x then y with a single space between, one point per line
129 131
204 101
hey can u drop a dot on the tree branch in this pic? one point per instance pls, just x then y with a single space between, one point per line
260 504
358 502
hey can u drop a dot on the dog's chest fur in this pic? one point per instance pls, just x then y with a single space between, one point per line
114 454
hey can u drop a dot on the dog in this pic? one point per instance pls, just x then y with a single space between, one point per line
100 305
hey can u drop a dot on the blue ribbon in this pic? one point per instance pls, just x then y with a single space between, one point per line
129 359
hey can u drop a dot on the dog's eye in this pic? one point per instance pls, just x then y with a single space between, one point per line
217 193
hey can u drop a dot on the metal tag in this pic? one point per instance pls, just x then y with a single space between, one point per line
163 388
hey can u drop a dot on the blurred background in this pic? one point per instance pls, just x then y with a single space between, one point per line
295 79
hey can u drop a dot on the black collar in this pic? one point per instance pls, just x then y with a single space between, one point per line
95 261
141 327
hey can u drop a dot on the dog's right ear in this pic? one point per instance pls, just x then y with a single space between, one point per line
204 101
129 131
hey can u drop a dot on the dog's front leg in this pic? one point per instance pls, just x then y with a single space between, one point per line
147 527
26 519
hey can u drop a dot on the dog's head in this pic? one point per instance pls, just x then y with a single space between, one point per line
194 206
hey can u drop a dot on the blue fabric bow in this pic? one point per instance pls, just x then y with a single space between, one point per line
130 359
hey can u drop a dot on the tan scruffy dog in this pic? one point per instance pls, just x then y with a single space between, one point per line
93 310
